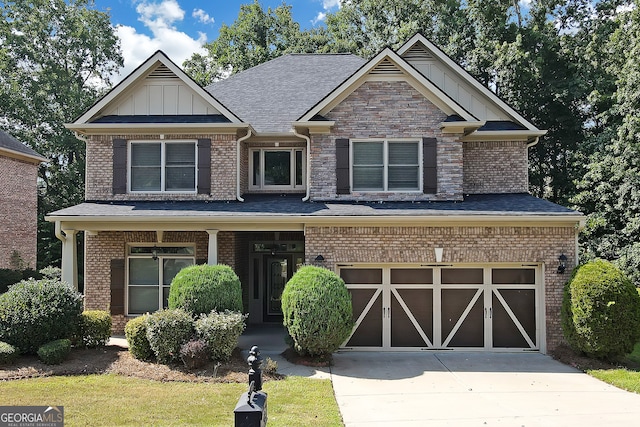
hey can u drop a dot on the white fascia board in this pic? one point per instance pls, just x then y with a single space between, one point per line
460 127
315 127
431 91
467 77
7 152
138 74
503 135
298 223
146 128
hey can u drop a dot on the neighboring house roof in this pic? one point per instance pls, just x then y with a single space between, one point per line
273 95
287 208
158 91
11 147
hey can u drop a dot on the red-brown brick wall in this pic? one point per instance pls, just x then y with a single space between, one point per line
102 248
99 176
483 245
18 211
495 167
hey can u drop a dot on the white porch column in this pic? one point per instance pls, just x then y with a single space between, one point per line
213 247
70 258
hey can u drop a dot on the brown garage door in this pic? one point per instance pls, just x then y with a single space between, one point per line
404 307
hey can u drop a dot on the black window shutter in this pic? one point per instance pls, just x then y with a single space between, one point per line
430 165
119 166
204 166
342 166
117 286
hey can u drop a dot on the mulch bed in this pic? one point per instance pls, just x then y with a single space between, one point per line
118 360
569 357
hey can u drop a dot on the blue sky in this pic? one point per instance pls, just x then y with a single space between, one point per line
181 27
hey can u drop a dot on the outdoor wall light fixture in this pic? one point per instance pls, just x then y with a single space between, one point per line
438 252
154 253
562 263
319 258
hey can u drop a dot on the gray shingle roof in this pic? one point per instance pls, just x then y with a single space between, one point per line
10 143
508 205
272 95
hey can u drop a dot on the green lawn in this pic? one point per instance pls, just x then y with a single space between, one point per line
626 379
112 400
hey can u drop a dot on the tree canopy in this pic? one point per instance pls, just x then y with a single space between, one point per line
56 58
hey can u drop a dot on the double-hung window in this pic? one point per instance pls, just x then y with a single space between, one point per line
277 169
163 166
386 165
150 272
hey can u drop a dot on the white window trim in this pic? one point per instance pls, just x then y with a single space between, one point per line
160 271
162 166
292 151
385 177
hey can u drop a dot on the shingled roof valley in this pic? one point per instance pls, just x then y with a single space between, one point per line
273 95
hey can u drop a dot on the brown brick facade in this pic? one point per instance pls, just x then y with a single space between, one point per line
99 176
18 210
495 167
481 245
386 109
102 248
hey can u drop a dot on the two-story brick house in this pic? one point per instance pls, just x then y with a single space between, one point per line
402 173
18 203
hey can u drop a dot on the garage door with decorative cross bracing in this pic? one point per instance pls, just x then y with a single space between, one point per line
444 307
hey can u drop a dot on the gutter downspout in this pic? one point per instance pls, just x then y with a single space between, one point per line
308 139
535 141
238 162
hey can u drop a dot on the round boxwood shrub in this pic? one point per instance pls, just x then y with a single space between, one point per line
8 353
601 311
136 333
54 352
220 331
200 289
35 312
317 311
167 331
95 328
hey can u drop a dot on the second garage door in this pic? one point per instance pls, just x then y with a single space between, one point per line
454 307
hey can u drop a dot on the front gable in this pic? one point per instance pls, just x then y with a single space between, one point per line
157 92
387 66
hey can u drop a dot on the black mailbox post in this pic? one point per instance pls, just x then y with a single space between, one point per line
251 409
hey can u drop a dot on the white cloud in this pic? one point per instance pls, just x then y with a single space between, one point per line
330 4
321 17
202 16
525 3
160 18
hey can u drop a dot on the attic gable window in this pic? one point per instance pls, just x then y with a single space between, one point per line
162 166
386 165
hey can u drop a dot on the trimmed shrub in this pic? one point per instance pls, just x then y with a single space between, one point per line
221 332
51 272
601 311
317 311
54 352
95 328
201 289
136 333
8 353
8 277
167 330
194 354
35 312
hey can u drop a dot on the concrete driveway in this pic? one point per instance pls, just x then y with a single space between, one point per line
474 389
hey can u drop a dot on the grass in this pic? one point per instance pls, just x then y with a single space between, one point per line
626 379
101 400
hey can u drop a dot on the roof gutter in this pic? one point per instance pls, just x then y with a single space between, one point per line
239 162
308 139
534 142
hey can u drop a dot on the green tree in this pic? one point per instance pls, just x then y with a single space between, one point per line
610 190
56 58
255 37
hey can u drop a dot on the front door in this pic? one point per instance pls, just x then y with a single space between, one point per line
277 274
